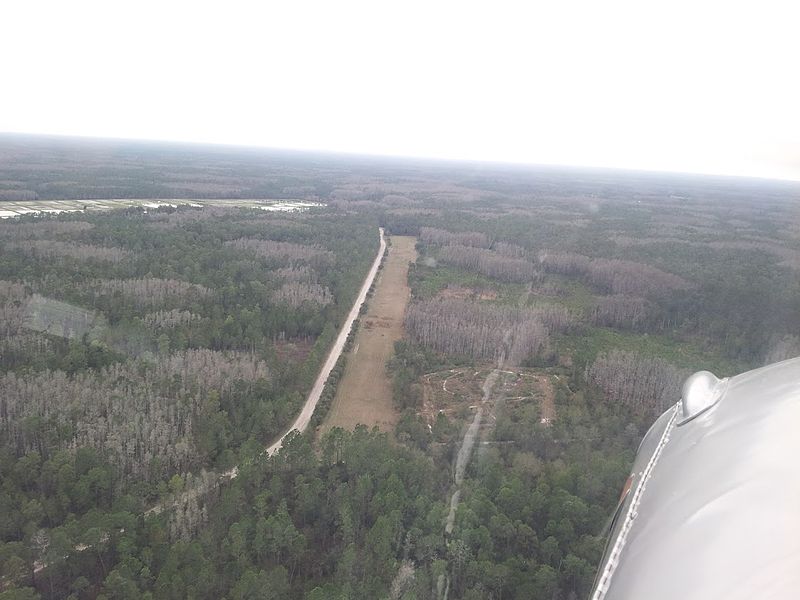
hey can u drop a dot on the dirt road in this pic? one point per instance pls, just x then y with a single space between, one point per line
313 397
548 405
364 394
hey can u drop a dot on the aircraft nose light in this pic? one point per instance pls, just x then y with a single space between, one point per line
700 392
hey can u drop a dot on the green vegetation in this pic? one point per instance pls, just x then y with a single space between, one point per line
156 348
427 282
143 354
585 345
569 292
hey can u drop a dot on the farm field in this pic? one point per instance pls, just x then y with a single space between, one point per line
364 394
33 207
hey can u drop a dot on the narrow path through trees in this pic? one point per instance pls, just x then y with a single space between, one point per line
304 417
364 394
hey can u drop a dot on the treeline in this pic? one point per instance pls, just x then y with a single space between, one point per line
283 252
167 319
621 311
295 273
442 237
140 415
162 365
641 295
296 294
149 291
361 519
489 263
481 331
614 275
627 277
536 498
510 250
530 524
51 248
567 263
31 230
13 296
242 303
700 284
645 384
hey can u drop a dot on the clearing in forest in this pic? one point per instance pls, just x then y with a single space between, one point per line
364 394
453 390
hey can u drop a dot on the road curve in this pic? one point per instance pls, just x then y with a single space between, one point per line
304 417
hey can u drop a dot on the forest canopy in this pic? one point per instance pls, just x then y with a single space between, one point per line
148 353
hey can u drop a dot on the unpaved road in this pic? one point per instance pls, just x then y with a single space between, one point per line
308 408
364 394
548 405
465 452
304 417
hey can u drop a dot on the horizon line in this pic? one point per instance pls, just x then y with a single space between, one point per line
402 157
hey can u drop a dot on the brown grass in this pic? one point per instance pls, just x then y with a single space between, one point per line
453 390
364 394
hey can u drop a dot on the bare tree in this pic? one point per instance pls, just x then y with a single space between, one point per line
613 275
480 331
295 273
296 294
167 319
133 412
150 291
187 216
644 383
490 263
26 343
12 307
627 277
567 263
442 237
55 249
285 252
621 311
11 230
510 250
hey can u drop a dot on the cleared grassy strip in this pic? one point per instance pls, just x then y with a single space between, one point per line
364 394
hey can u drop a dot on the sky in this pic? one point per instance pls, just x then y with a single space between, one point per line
695 86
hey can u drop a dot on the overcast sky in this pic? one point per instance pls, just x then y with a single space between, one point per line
696 85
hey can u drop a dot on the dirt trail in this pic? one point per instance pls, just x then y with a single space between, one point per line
548 404
364 394
465 452
468 444
304 417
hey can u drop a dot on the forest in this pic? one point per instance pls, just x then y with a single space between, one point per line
145 353
537 355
